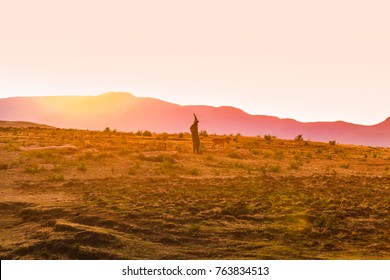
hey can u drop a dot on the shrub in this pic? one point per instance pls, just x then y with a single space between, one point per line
87 155
267 154
264 168
167 167
48 156
142 156
194 171
56 178
345 165
299 138
147 133
82 167
3 166
324 221
168 164
194 230
104 155
158 158
203 133
238 209
57 168
134 168
332 143
275 168
268 137
295 164
279 155
209 158
11 147
234 155
33 168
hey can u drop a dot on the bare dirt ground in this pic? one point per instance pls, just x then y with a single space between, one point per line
70 194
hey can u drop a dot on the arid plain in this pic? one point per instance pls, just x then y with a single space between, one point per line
78 194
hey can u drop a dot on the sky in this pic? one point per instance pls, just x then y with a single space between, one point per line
306 60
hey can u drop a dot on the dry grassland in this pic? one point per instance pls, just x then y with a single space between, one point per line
72 194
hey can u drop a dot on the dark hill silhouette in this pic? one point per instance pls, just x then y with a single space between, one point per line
125 112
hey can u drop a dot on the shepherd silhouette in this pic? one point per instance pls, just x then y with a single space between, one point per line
195 136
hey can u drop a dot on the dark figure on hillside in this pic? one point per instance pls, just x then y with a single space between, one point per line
195 135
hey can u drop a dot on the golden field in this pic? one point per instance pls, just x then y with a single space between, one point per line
77 194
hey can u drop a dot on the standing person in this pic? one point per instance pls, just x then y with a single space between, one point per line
195 136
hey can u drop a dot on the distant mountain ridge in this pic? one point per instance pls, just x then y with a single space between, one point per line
125 112
21 124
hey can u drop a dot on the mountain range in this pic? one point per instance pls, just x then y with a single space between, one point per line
125 112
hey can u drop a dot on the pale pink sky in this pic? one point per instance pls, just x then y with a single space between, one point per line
308 60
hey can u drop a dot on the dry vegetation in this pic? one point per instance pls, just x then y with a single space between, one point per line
71 194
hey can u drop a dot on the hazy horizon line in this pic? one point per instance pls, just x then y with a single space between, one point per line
182 104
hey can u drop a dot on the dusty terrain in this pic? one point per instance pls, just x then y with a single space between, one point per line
72 194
